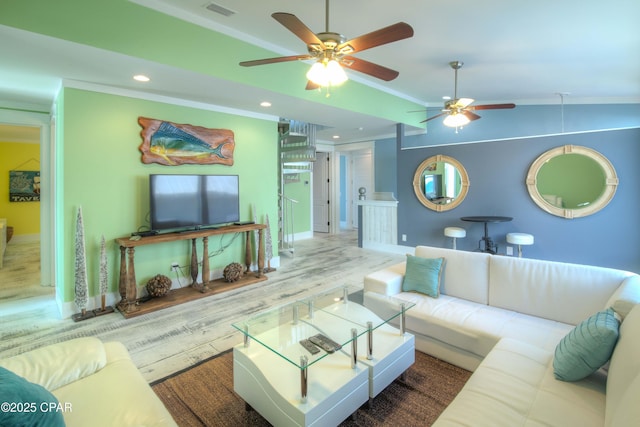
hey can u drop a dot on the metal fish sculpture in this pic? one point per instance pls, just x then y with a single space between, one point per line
171 144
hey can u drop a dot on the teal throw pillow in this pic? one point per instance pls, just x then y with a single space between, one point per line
587 347
423 275
27 404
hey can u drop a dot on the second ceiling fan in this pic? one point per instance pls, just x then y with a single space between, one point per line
459 111
332 51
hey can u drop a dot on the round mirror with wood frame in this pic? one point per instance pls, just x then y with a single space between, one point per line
441 183
572 181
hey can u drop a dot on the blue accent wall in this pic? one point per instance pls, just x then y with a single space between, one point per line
497 170
529 120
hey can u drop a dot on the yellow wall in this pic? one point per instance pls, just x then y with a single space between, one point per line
24 217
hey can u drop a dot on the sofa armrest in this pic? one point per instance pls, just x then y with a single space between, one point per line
56 365
626 296
387 281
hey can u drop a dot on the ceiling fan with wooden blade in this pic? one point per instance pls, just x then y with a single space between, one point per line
458 111
331 51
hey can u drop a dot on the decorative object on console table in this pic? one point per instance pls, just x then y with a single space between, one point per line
81 283
232 272
104 282
255 235
158 286
268 246
173 144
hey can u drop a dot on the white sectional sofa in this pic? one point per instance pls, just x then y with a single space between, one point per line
95 384
503 317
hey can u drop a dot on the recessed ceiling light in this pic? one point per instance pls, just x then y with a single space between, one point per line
141 78
446 97
336 137
265 104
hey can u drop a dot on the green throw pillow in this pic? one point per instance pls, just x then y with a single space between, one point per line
27 404
587 347
423 275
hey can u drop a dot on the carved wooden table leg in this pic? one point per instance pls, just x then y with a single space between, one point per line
205 263
247 253
194 263
131 283
260 253
122 284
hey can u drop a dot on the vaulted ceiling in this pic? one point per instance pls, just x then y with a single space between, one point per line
522 52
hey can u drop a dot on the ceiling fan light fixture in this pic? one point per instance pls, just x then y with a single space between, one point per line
455 120
327 73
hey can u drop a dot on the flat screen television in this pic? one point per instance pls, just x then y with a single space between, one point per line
193 201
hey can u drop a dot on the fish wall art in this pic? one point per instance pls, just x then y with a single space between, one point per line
174 144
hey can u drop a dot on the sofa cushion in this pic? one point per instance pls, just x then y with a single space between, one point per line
587 347
549 289
464 275
27 404
514 386
469 326
56 365
387 281
626 296
423 275
625 364
117 395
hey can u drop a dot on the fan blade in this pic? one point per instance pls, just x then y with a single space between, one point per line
379 37
275 60
436 116
492 107
366 67
463 102
311 85
297 27
471 116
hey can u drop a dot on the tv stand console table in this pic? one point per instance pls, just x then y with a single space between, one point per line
130 305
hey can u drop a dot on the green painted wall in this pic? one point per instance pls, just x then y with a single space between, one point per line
125 27
99 169
301 192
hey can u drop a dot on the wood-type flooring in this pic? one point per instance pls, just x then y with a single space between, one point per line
175 338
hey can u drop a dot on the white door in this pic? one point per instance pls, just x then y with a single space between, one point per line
361 176
321 193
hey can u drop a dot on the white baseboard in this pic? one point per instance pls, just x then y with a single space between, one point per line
67 309
385 247
25 238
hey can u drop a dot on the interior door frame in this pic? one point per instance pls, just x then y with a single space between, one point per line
335 151
23 117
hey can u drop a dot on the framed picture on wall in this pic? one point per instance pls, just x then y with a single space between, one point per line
24 186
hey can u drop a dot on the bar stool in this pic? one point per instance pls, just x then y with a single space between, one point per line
455 232
519 239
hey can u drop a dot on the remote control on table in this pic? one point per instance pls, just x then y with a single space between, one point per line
311 347
325 343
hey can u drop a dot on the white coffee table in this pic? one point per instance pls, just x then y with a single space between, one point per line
288 385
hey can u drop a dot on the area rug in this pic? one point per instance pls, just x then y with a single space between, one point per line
203 396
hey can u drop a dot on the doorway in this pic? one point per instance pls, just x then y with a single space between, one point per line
28 266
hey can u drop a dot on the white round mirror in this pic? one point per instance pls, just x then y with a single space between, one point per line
572 181
440 183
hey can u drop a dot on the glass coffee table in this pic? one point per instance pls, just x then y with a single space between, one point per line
288 385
